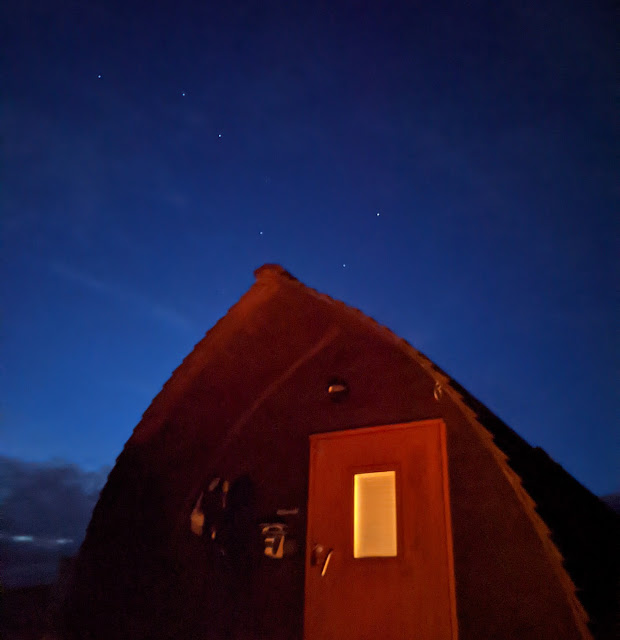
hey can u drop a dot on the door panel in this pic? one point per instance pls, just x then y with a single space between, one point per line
379 494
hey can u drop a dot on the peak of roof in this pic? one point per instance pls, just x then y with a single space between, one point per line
271 270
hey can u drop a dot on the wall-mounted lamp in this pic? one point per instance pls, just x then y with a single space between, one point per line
274 534
438 391
337 389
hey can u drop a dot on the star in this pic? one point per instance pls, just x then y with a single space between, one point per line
378 214
344 265
99 76
260 233
219 135
183 94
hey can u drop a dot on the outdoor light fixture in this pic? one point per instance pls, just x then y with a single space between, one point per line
438 391
337 389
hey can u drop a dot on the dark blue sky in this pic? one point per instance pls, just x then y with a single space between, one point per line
156 153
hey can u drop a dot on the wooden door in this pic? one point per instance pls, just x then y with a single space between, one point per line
379 547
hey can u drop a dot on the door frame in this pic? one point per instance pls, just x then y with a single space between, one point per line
429 423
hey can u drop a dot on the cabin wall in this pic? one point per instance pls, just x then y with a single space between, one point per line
249 412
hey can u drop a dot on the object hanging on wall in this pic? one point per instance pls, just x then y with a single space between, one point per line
197 517
214 502
274 535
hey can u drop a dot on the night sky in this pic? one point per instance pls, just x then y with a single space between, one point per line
448 168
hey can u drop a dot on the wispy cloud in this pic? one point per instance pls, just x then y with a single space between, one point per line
122 295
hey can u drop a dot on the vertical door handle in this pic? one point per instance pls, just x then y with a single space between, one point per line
326 563
321 556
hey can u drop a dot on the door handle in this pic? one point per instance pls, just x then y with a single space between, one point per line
327 559
321 556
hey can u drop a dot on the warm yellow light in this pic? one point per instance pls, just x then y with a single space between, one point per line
374 514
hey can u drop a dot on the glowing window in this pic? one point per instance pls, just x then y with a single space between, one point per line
374 514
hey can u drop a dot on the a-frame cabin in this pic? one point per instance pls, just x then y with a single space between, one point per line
305 473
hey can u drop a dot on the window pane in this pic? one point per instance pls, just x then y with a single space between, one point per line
374 514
